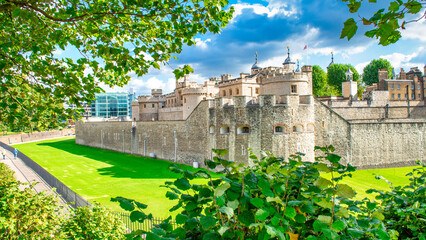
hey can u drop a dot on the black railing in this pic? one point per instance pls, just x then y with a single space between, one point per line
66 193
146 225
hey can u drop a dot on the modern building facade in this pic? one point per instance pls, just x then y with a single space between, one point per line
112 105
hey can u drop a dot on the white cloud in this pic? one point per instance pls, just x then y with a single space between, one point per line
58 52
274 8
415 30
360 67
399 60
202 44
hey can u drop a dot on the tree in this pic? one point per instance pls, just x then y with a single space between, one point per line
387 23
320 86
112 39
371 74
336 75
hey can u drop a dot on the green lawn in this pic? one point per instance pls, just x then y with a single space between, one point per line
97 174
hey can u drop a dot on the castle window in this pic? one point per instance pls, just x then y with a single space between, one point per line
257 91
420 96
412 96
230 92
418 86
224 130
323 123
144 106
399 95
243 130
224 93
184 100
398 86
393 96
211 130
280 129
310 127
237 91
392 86
406 96
293 88
152 105
298 128
412 86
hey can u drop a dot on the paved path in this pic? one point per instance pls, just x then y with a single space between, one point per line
25 174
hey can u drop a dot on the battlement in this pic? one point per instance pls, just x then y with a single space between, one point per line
263 100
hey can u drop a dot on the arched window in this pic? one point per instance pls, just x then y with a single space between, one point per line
224 130
298 128
310 127
243 130
280 128
224 93
230 92
211 130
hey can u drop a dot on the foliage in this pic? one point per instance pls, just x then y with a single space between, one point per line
404 207
25 214
112 38
386 23
336 75
273 198
371 74
320 85
94 222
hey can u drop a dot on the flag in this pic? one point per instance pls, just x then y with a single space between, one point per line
306 46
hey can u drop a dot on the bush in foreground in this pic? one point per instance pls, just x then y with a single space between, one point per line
272 199
26 214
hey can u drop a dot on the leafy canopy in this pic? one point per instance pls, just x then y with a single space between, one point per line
320 86
111 37
386 22
371 74
336 74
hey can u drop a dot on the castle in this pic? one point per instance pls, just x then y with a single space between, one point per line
269 109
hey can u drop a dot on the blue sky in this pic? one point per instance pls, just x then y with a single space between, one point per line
269 26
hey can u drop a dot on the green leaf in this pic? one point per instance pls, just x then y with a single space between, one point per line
300 218
171 195
265 187
257 202
182 184
202 174
272 232
207 222
338 226
137 216
354 6
227 210
345 191
324 219
211 236
233 204
220 190
349 29
246 218
290 212
181 218
333 157
220 152
261 215
319 225
322 183
322 167
378 215
222 230
156 65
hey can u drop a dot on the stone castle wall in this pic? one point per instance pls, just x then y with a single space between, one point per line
35 136
306 123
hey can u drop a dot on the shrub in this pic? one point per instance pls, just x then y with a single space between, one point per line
274 198
94 222
25 214
404 207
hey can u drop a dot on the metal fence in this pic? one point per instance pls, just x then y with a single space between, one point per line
146 225
67 194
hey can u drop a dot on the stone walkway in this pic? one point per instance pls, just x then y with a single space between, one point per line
25 174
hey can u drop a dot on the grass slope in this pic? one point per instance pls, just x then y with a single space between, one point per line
97 174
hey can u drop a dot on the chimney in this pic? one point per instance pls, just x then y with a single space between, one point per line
383 74
402 74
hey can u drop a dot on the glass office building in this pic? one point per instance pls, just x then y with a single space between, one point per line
112 105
